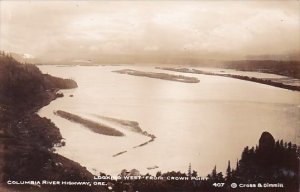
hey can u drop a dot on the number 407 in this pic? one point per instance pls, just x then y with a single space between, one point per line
218 184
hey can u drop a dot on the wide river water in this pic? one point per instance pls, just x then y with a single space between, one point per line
205 124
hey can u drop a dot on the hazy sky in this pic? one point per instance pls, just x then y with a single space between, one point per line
75 30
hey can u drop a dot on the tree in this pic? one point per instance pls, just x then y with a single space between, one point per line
228 171
158 174
194 173
190 170
213 174
237 166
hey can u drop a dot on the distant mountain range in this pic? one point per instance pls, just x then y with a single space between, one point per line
163 59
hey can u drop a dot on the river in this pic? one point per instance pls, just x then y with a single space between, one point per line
205 124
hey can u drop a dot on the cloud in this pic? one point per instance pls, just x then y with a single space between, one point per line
87 29
28 56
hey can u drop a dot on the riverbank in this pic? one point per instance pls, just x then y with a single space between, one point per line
163 76
241 77
27 140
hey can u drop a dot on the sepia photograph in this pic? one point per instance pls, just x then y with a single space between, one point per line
149 96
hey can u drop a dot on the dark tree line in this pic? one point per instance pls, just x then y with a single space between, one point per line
269 162
22 83
26 139
290 68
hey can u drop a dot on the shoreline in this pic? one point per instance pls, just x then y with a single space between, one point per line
240 77
29 143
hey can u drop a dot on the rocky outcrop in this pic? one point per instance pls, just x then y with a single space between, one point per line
266 141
